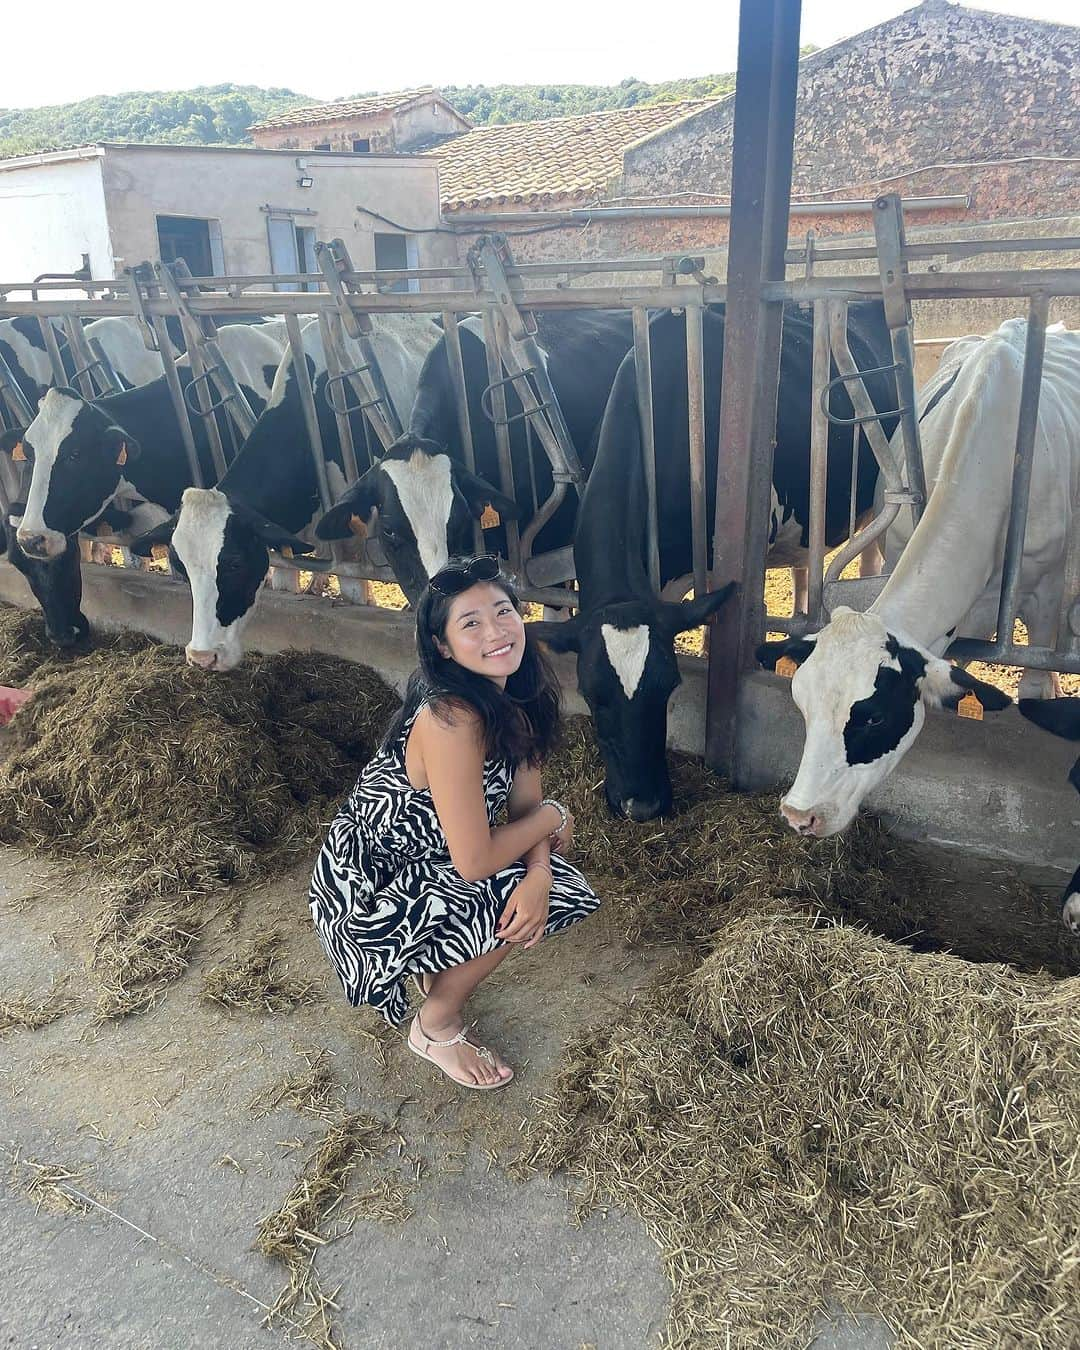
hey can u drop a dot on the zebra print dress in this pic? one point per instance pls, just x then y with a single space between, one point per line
386 900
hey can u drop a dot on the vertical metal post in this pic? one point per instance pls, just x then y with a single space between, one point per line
456 364
492 347
643 376
1068 633
819 459
307 403
176 393
52 347
331 351
695 398
889 236
1027 422
76 342
761 193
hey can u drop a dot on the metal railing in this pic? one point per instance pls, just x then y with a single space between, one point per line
504 295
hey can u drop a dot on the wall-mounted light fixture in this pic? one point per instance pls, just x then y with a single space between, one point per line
304 181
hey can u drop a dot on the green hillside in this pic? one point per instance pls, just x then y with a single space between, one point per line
220 114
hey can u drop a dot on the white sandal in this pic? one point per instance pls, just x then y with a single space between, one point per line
418 980
462 1038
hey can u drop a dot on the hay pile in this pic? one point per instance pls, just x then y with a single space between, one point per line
256 978
177 784
816 1114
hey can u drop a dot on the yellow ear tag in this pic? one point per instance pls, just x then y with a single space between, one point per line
121 458
786 667
969 706
357 526
18 453
285 552
159 551
490 518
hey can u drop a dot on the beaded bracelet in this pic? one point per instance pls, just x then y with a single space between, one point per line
550 801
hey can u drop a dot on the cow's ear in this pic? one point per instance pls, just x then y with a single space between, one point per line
1059 716
120 445
693 613
11 441
273 536
943 685
145 544
770 654
560 637
478 494
360 500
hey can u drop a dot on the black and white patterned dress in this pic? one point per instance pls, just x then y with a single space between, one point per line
385 897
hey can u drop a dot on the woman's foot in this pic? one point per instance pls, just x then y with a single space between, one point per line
466 1062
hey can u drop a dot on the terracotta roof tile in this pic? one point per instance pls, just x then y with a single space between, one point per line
312 113
575 156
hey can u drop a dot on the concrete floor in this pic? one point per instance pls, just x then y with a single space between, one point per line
154 1116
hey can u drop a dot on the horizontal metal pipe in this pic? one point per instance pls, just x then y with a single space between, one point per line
861 206
796 253
1032 658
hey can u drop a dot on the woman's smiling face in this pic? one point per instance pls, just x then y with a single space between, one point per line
484 632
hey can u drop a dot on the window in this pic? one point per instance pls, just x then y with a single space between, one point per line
397 250
292 250
323 145
198 242
362 147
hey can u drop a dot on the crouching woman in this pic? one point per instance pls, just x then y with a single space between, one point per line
416 878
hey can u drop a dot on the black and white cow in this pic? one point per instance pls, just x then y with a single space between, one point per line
863 683
123 451
269 496
623 634
56 585
420 500
1061 717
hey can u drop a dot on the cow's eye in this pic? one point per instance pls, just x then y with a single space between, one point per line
874 720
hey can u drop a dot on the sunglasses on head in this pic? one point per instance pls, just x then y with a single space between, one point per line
460 576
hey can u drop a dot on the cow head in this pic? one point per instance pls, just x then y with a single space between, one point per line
56 585
421 503
78 456
222 549
627 672
863 693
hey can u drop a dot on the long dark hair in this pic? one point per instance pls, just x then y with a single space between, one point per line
521 722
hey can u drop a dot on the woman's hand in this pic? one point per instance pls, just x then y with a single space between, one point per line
525 916
563 838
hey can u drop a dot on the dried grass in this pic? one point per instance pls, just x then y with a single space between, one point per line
314 1090
255 978
814 1114
176 784
48 1187
291 1233
33 1011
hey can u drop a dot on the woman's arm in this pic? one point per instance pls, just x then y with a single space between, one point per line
452 754
525 797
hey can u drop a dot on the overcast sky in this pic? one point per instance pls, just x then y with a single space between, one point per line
65 51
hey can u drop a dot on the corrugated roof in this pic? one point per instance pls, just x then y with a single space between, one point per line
560 157
313 113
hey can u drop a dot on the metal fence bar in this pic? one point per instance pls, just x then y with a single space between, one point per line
341 416
643 379
456 363
492 349
52 348
76 344
12 396
1027 422
819 458
176 393
1068 632
695 394
307 404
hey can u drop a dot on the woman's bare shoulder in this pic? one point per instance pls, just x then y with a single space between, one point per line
449 719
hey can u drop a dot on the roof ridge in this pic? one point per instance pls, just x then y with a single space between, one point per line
561 118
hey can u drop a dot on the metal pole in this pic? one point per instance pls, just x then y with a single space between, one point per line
176 393
643 376
76 342
307 403
492 348
334 371
1027 422
695 397
819 459
760 188
456 364
1068 632
48 336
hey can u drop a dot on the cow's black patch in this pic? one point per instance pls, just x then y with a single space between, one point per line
242 563
876 725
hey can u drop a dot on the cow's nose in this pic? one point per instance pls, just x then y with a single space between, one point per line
204 660
803 822
641 808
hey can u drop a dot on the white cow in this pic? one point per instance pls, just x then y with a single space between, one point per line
864 682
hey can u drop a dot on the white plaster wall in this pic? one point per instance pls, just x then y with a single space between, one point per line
142 183
50 215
